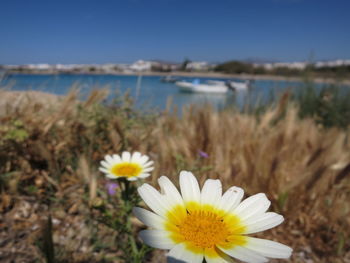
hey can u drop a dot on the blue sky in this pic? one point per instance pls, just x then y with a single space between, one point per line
82 31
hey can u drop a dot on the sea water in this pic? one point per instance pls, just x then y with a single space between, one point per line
148 92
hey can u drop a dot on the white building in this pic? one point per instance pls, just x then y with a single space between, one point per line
334 63
197 66
141 65
290 65
39 66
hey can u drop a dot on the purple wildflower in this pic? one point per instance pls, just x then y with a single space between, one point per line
111 188
203 154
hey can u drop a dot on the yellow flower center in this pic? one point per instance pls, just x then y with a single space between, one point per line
126 169
203 229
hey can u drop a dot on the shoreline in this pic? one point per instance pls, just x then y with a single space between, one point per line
243 76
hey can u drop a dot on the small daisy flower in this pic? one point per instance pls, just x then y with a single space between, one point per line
130 166
206 224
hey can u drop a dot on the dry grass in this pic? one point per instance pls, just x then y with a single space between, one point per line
49 160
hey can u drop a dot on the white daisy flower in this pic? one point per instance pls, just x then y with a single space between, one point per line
130 166
207 224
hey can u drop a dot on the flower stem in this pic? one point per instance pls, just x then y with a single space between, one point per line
127 197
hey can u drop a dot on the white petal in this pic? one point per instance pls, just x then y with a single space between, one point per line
268 248
211 192
105 164
189 187
252 206
117 158
179 254
144 159
148 169
244 254
109 159
112 176
104 170
135 158
156 239
153 199
148 218
132 178
169 189
126 156
145 175
231 198
148 164
173 198
262 222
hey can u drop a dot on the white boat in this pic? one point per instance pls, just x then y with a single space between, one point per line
211 86
237 86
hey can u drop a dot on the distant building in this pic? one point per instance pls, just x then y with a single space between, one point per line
304 64
197 66
334 63
293 65
141 65
109 68
290 65
39 66
164 66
